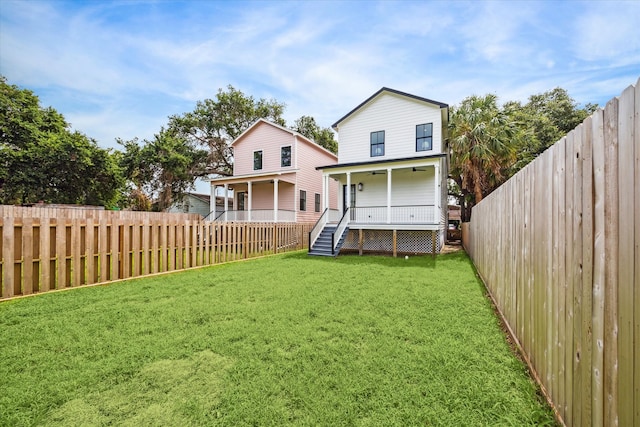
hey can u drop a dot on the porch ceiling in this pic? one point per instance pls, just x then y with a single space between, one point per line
387 163
375 168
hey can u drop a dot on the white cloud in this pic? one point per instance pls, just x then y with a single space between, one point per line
608 31
119 69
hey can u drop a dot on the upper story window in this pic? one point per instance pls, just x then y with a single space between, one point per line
257 160
377 143
285 156
424 137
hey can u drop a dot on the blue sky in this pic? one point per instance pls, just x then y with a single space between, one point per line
119 69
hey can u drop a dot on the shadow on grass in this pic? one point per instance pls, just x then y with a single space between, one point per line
425 261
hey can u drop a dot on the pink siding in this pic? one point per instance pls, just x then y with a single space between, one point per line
262 195
310 179
286 197
263 137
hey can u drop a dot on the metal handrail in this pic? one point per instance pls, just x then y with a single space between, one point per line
322 220
214 219
339 230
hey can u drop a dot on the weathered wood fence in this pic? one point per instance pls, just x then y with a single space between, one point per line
558 248
47 249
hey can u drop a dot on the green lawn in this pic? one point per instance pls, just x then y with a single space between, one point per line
284 340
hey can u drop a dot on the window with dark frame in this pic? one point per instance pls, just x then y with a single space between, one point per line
285 156
317 202
424 137
377 143
303 200
257 160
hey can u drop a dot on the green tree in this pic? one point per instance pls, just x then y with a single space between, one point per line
193 145
214 124
544 120
482 147
162 169
324 137
41 159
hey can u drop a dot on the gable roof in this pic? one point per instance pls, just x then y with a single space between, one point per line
291 131
397 92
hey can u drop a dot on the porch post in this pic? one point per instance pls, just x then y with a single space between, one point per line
388 195
324 193
249 197
348 198
226 200
436 209
275 200
212 202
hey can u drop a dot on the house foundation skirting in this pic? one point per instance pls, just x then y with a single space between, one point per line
394 241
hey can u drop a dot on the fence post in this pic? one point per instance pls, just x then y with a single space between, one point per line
8 257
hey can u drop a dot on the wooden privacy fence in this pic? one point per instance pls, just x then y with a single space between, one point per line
558 248
58 250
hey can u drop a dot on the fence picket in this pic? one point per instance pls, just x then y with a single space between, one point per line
611 255
636 263
27 256
45 255
625 257
597 371
76 248
587 269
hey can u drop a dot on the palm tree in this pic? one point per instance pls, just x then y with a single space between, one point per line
482 146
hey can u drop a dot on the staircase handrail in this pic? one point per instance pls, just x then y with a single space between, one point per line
339 230
212 212
317 228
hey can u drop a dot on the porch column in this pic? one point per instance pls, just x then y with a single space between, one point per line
325 192
436 209
249 197
348 191
226 200
212 203
388 195
275 200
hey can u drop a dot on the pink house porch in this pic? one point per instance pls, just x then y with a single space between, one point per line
275 177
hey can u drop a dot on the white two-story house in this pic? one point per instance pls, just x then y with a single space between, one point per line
392 175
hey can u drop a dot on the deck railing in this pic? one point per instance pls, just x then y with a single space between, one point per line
257 215
408 214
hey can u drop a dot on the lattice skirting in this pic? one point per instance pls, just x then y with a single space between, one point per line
407 241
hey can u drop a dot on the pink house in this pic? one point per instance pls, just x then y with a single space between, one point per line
275 177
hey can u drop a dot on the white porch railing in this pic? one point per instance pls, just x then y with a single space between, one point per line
416 214
257 215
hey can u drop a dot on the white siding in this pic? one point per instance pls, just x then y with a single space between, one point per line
397 116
